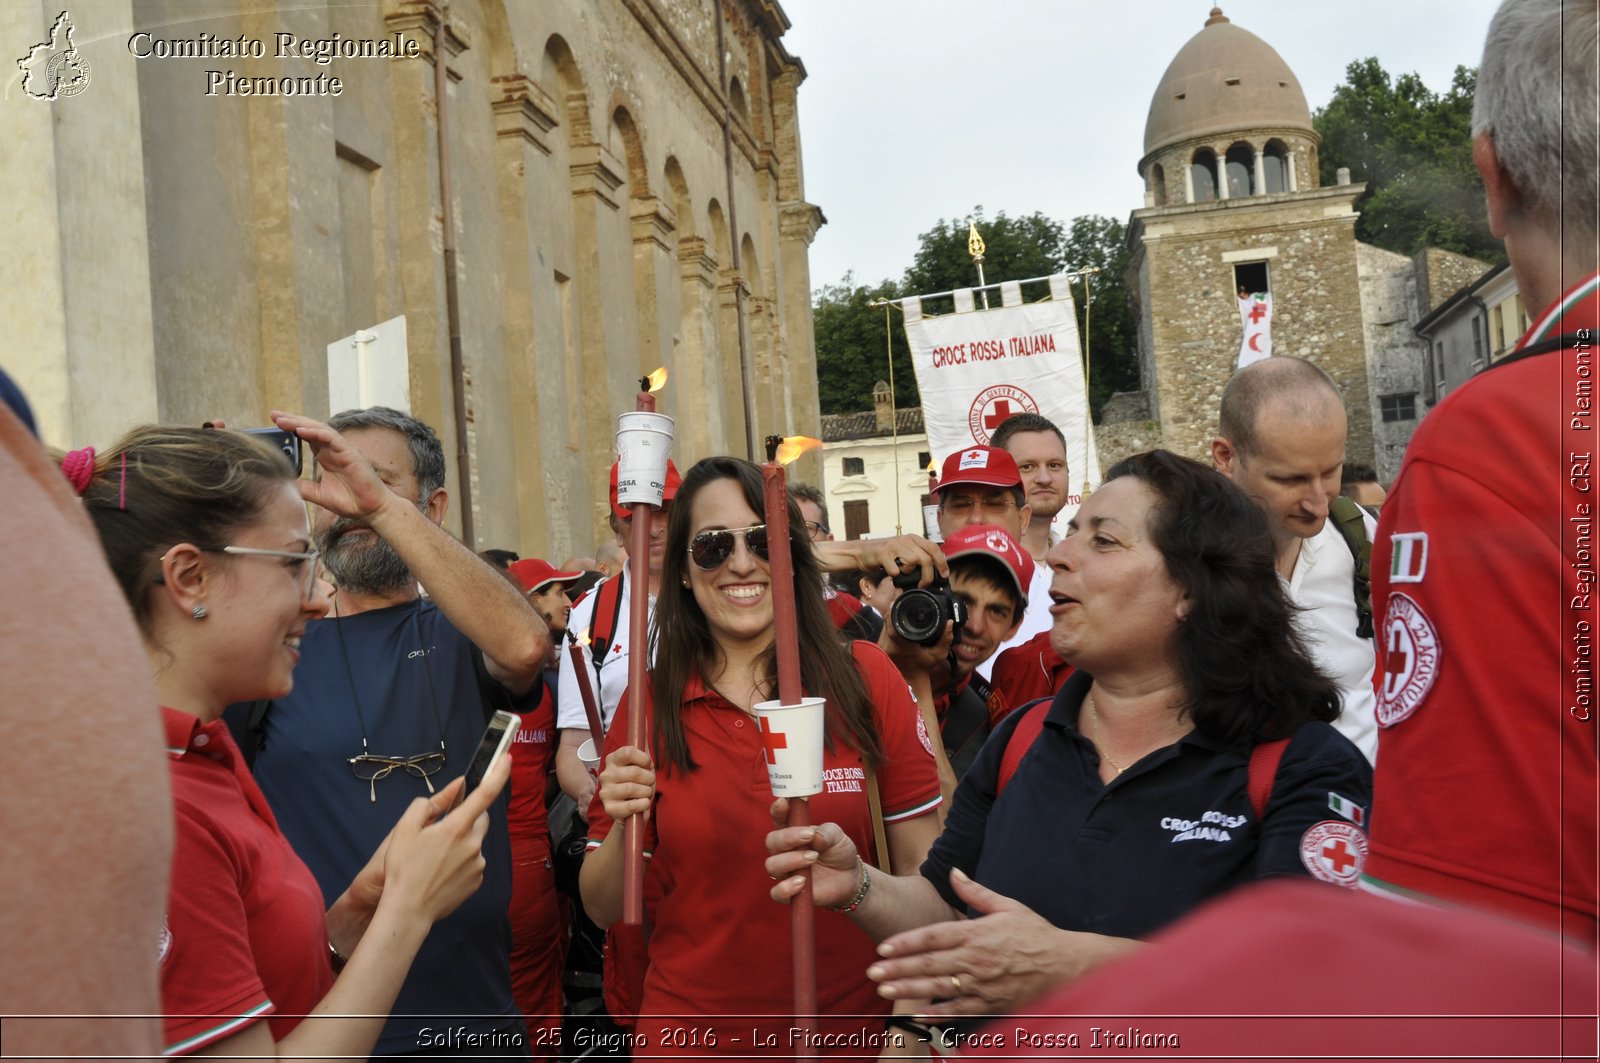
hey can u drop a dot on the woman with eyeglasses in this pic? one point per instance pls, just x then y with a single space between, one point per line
206 533
718 947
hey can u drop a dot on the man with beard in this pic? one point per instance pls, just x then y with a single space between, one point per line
390 697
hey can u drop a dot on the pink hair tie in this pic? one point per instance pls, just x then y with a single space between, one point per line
79 467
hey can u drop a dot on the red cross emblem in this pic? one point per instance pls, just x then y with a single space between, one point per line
1258 312
1334 851
1002 410
772 740
1338 853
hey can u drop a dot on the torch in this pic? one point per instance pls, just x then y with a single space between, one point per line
590 709
643 440
786 632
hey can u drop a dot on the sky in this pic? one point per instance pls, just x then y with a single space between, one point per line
916 110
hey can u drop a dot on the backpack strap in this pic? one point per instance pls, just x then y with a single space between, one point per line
966 725
1264 761
1030 722
603 624
1349 518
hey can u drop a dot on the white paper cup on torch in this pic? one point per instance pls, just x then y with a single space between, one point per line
644 441
589 755
792 736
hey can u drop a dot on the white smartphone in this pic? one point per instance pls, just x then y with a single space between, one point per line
494 744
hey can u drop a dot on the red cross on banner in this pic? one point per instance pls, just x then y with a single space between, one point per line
772 740
1002 410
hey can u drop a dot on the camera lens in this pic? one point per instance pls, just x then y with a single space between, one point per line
918 616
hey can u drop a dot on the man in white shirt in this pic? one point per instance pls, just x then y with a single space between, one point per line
611 678
1040 451
1281 438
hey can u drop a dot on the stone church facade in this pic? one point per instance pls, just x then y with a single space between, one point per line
626 190
1233 197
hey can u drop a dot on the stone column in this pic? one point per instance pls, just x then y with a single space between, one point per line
798 223
596 176
699 360
1260 169
75 282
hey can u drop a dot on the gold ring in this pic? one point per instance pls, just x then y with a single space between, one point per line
955 980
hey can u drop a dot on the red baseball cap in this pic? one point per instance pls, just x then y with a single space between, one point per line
989 541
988 466
534 573
671 489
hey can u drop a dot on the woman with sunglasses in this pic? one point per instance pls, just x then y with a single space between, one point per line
206 533
718 947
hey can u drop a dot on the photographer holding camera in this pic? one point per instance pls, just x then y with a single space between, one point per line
938 635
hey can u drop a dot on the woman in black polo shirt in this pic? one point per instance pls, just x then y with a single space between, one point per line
1132 803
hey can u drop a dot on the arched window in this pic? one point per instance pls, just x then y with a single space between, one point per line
1241 160
1203 174
1275 167
1158 184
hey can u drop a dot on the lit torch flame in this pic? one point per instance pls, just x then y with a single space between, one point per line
658 380
582 637
794 446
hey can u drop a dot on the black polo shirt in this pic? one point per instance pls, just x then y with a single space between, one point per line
1126 858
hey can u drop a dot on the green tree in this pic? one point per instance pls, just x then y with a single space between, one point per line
1095 241
850 342
1413 148
850 333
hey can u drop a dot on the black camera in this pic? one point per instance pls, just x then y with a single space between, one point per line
920 613
278 439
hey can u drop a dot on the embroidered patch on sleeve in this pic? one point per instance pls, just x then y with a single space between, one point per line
1411 653
1334 852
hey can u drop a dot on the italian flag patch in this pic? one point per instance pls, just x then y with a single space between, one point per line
1410 558
1347 808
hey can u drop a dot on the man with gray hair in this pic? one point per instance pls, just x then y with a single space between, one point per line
390 696
1281 437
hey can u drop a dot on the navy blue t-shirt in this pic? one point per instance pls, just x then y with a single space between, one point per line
412 672
1128 857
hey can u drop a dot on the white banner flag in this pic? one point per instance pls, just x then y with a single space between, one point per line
975 368
1255 313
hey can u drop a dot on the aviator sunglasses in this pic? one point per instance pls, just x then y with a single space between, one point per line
711 549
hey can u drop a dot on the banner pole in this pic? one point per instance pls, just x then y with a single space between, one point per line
975 248
894 413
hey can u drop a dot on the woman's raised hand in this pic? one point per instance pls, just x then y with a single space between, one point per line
825 849
627 783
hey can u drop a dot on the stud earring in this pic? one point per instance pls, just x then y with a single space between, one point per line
198 612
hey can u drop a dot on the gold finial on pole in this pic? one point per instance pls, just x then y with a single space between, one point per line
975 248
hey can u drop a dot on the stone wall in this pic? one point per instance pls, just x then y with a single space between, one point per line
1185 257
194 255
1396 357
1440 274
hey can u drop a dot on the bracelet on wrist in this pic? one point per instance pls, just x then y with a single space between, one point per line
861 890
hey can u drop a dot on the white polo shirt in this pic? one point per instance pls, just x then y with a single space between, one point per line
1323 587
613 670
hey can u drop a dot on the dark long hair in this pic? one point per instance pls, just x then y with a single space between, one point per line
1247 672
684 643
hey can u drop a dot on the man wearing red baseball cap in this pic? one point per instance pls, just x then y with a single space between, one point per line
981 485
989 574
610 635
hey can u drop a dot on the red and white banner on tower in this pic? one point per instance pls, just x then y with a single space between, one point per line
1255 311
975 368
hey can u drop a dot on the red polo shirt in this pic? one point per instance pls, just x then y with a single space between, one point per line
246 935
1485 791
720 946
1025 673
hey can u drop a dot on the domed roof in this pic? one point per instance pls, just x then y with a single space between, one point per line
1224 79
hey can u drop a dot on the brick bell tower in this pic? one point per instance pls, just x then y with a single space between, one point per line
1232 199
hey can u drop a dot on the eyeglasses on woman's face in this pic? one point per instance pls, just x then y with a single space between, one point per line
711 549
307 563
